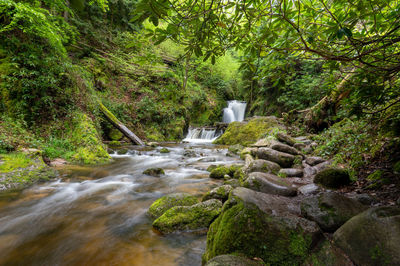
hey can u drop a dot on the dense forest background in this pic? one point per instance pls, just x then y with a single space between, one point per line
327 68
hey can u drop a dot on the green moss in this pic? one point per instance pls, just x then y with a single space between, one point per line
164 150
183 218
14 161
166 202
332 178
247 133
376 175
396 167
115 134
84 136
115 143
154 171
244 229
219 172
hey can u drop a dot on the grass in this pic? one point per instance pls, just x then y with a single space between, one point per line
14 161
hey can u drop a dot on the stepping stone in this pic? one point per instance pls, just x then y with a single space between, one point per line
291 172
270 184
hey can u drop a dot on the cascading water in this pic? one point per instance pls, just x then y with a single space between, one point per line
201 135
234 112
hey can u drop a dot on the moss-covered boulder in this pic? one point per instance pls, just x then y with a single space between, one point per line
235 149
326 254
285 138
270 184
332 178
278 146
283 159
220 193
115 134
154 172
246 133
233 260
291 172
232 182
330 210
88 146
164 150
220 172
20 169
166 202
263 166
372 237
188 218
263 226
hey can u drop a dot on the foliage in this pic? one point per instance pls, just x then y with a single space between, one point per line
13 161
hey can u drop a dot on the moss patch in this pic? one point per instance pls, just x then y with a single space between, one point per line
332 178
247 133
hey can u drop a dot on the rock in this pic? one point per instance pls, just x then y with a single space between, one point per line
248 159
220 193
332 178
285 138
164 150
270 184
308 189
291 172
166 202
330 210
299 146
309 171
235 149
232 260
154 171
246 151
232 182
283 159
372 237
278 146
263 166
263 226
188 218
189 153
221 171
211 167
115 134
208 160
328 255
364 199
122 151
152 144
313 160
58 162
265 142
321 166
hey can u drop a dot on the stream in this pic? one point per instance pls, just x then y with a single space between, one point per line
97 215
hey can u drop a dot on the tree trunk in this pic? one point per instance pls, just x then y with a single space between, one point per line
121 127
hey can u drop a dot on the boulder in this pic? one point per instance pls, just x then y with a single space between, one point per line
285 138
220 193
314 160
233 260
188 218
291 172
154 171
235 149
221 172
328 255
166 202
164 150
245 151
330 210
265 142
263 166
299 146
263 226
278 146
270 184
248 159
233 182
281 158
332 178
372 237
308 189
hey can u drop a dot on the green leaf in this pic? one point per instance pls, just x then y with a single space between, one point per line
213 60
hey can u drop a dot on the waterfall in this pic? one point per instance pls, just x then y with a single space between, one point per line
234 112
201 135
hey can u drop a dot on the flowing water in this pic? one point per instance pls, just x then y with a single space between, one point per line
97 215
202 135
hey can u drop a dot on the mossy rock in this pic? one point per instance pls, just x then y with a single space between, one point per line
246 133
333 178
212 167
233 260
188 218
154 171
371 237
21 169
89 147
263 166
220 193
221 172
232 182
164 150
235 149
396 167
166 202
260 225
326 254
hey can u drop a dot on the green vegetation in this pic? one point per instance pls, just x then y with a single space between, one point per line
168 201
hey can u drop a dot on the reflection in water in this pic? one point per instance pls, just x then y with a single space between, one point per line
97 215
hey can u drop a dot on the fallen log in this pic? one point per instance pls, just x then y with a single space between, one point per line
118 125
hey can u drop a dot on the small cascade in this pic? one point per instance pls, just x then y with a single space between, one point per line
201 135
234 112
